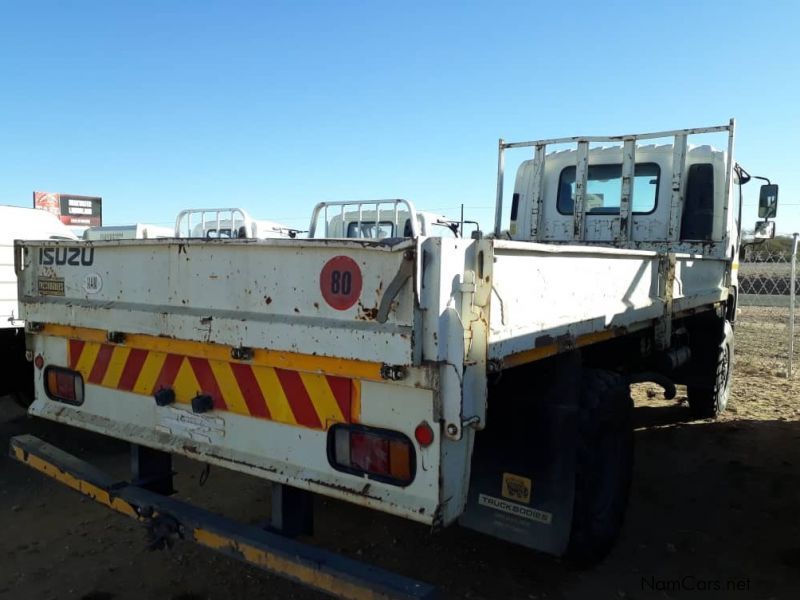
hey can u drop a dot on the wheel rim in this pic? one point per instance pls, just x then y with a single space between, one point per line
723 370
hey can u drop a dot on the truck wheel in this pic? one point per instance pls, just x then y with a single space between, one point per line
709 400
604 465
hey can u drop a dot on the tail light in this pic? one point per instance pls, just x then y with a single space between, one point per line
63 385
379 454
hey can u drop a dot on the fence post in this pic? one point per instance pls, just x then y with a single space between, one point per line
791 306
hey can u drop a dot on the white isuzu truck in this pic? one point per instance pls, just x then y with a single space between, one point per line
480 381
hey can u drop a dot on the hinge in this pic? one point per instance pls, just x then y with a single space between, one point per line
242 353
115 337
404 273
393 372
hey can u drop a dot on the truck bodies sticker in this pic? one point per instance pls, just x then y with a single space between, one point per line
340 282
518 510
50 286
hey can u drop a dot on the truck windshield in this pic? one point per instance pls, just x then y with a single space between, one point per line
604 188
383 229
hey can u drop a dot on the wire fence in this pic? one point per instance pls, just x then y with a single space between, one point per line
767 288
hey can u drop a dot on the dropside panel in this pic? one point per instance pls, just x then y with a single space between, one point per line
319 298
546 298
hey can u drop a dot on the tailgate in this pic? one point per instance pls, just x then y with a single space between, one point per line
311 297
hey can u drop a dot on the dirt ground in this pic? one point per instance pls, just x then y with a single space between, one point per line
713 514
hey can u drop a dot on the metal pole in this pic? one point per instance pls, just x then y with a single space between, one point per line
498 208
728 181
791 306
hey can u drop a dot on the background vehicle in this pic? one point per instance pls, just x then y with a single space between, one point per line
17 223
376 219
208 223
227 223
139 231
482 381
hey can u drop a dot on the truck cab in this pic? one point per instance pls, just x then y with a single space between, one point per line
704 219
672 198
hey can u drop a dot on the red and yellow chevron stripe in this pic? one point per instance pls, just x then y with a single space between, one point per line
307 399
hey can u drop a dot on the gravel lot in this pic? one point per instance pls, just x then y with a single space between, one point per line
713 514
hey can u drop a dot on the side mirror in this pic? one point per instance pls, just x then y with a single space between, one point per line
764 230
768 202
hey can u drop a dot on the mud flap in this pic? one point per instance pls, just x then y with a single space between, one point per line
523 478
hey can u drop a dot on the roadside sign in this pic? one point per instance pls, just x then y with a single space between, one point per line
83 211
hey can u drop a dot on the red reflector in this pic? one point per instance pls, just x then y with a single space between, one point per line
424 434
377 453
39 361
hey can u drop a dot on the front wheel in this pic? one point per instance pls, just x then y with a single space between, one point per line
604 465
707 400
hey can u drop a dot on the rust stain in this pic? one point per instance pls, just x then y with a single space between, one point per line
366 314
363 492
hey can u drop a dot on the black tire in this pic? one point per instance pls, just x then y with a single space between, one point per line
604 465
708 399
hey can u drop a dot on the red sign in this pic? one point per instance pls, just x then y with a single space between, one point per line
340 282
73 210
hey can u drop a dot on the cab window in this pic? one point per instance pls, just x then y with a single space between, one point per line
370 229
604 189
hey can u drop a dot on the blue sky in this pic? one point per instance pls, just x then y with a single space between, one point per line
274 106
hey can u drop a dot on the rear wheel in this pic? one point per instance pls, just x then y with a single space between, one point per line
604 465
709 398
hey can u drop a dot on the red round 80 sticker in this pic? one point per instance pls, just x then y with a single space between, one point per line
340 282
